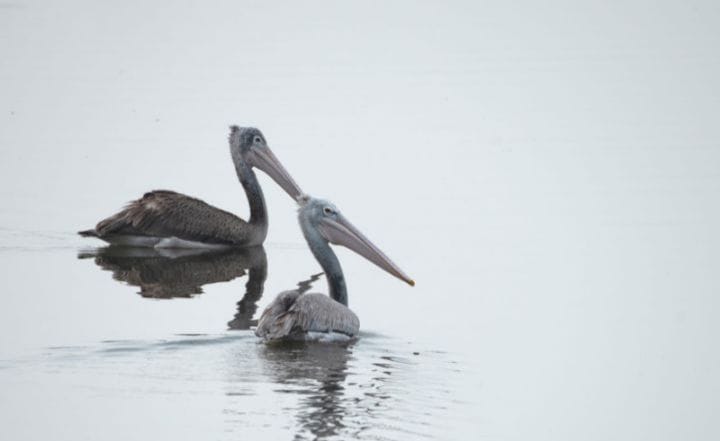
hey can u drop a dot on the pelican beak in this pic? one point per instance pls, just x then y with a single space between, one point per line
339 231
265 160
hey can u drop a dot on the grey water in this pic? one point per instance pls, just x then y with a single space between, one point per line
548 174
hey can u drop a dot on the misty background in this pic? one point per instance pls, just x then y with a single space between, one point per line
548 173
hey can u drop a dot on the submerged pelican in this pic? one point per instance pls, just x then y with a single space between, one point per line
294 315
165 219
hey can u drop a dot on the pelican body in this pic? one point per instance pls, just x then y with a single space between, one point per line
166 219
295 315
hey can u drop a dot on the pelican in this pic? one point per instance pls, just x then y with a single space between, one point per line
294 315
166 219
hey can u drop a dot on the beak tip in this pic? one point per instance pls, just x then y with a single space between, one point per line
411 282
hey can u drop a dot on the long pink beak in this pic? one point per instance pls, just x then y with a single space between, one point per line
340 231
265 160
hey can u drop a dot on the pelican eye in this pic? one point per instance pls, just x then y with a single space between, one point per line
257 139
328 211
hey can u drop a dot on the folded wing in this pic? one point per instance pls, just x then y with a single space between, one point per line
163 213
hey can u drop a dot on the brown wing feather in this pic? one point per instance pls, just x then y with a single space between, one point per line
164 213
292 314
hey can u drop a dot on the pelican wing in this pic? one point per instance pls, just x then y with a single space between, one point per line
292 315
163 213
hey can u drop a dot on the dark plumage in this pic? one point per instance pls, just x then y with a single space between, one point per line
164 218
164 213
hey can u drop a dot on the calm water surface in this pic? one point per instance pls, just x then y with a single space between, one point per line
221 384
548 174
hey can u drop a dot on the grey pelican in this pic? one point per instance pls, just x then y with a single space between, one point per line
166 219
295 315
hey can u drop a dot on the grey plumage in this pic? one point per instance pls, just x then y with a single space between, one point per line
293 315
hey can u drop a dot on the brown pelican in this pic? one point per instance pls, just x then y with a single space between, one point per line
165 219
294 315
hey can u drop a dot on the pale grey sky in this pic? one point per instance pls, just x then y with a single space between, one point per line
548 173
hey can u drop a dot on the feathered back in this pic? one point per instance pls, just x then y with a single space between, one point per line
164 213
291 315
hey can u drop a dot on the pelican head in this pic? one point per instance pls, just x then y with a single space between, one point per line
248 146
321 220
295 315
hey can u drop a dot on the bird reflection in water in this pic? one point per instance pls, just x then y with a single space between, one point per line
341 389
340 393
167 274
318 374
